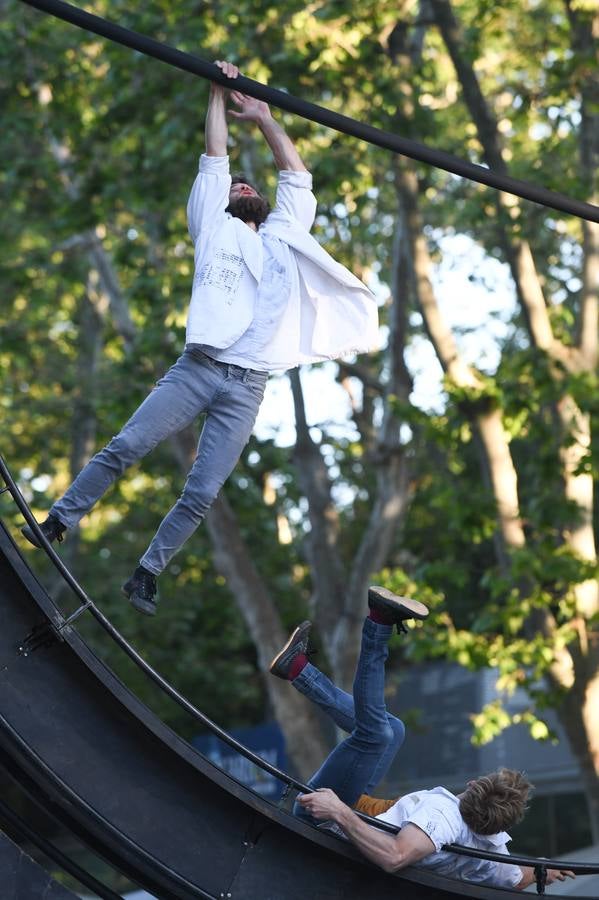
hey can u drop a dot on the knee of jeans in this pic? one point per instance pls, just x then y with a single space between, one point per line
199 494
124 449
116 456
398 730
196 503
387 735
381 735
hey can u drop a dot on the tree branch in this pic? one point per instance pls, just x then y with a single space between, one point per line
322 542
584 38
518 252
233 559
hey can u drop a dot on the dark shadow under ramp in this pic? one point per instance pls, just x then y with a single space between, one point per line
72 734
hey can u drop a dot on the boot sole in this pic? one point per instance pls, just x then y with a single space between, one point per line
29 536
294 634
142 606
401 607
147 610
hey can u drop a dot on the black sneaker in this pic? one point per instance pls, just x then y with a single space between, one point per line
297 643
52 529
141 591
398 609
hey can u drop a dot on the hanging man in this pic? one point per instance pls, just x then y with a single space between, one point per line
265 298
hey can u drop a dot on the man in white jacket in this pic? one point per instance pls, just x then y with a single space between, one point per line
266 297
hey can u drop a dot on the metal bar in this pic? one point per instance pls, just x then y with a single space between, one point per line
577 868
541 878
316 113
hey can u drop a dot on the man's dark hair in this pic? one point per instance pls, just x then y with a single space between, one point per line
241 178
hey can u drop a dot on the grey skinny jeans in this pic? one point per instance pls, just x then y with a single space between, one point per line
229 395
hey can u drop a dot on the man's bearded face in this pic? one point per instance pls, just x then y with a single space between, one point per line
246 204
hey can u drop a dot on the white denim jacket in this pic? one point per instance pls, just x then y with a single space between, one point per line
329 312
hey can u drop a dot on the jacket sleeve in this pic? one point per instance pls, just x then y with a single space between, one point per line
209 195
295 198
373 806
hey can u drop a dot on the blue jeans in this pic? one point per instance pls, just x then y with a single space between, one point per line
360 761
229 395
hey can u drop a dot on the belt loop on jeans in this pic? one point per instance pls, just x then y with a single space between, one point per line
246 375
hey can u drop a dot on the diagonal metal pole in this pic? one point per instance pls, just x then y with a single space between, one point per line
345 124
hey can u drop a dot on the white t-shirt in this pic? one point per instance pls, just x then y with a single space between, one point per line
274 299
254 350
437 813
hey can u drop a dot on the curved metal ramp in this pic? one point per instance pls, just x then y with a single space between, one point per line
74 735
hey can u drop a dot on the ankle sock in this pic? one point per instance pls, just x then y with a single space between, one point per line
381 618
297 665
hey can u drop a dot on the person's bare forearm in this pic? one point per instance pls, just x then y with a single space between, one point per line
528 877
378 847
390 852
282 147
216 123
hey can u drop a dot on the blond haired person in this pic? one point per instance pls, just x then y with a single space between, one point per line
428 820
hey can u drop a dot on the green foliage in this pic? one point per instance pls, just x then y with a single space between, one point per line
97 138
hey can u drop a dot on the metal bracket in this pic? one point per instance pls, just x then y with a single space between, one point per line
42 635
250 839
541 877
283 798
254 831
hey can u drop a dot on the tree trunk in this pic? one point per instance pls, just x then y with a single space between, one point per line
578 489
321 544
387 454
579 716
306 744
341 588
83 420
577 667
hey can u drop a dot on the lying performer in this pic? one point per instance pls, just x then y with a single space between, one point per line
429 819
266 297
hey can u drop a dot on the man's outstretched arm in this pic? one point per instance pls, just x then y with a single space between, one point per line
216 116
210 192
283 149
390 852
528 876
